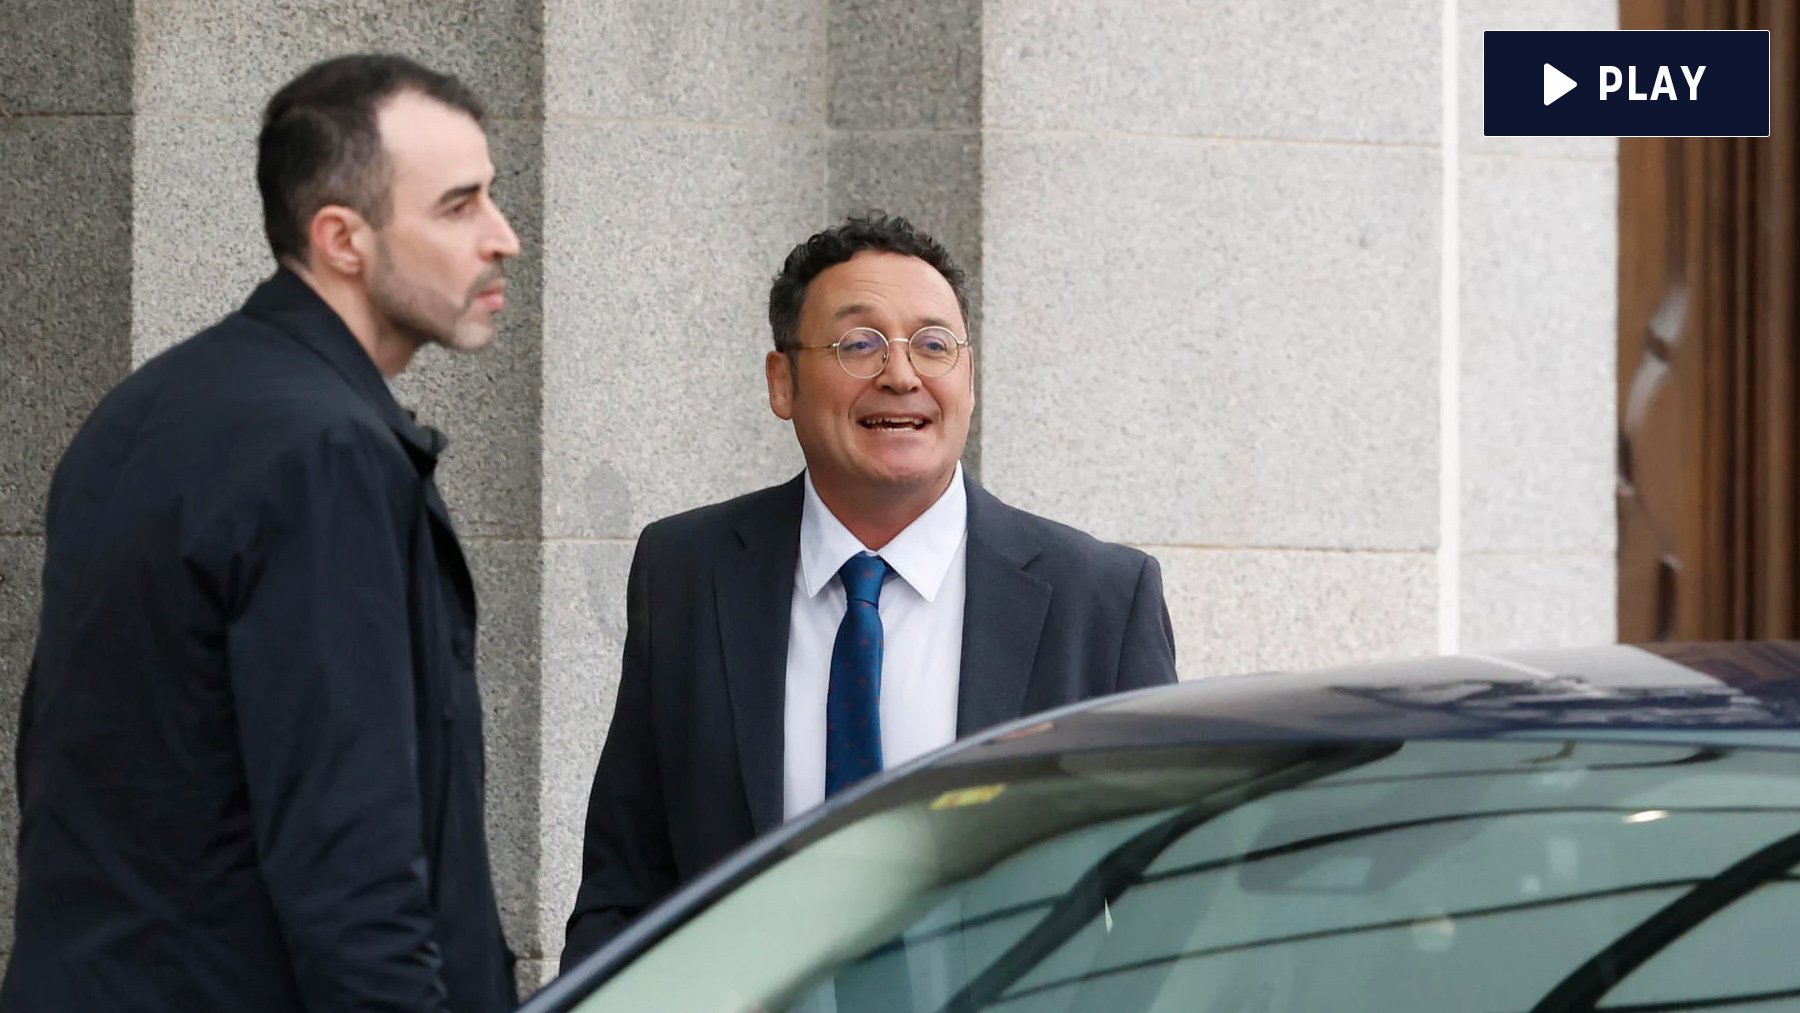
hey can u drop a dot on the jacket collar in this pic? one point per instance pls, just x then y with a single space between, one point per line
287 303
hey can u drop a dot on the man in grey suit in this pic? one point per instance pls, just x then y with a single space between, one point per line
785 644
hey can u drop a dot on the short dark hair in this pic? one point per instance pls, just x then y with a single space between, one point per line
873 230
320 144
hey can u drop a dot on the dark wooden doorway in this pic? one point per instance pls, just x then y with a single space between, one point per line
1708 504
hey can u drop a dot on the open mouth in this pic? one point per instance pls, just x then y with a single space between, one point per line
893 423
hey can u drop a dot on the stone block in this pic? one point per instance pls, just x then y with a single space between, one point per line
509 590
584 634
214 59
1338 70
65 59
1254 611
655 317
1213 343
66 268
533 975
1527 600
905 65
197 232
1539 284
763 62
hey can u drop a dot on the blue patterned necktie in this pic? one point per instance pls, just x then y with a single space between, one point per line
853 703
852 752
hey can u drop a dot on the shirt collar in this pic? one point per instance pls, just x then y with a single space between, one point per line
921 554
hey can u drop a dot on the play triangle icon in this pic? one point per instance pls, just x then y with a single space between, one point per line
1556 84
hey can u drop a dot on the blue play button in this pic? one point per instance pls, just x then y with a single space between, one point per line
1626 84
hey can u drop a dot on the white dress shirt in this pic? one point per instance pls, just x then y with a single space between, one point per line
921 622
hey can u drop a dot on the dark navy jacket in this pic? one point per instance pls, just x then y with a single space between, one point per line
250 753
691 768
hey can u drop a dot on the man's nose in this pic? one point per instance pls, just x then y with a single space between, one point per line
503 242
898 375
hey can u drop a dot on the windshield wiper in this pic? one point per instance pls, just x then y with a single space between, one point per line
1103 883
1588 984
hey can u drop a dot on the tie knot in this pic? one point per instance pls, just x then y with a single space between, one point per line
862 577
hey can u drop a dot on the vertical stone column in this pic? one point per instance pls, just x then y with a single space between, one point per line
684 152
65 168
1210 256
1539 298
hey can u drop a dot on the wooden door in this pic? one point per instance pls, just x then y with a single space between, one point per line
1708 509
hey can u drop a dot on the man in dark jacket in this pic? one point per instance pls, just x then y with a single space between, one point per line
250 753
784 645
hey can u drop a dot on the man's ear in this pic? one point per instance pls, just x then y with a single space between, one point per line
778 369
340 240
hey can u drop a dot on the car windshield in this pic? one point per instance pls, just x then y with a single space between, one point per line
1498 875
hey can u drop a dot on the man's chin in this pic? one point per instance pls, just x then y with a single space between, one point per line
469 339
911 477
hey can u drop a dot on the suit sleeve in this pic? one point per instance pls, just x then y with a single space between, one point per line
1147 655
321 673
627 860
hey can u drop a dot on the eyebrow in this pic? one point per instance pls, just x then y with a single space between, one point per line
457 193
856 307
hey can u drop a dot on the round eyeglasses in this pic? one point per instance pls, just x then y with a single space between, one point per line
863 351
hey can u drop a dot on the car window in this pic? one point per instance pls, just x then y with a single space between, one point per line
1425 876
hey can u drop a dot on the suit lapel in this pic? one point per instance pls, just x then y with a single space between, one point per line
754 586
1003 616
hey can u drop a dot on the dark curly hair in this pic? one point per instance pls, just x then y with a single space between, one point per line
320 144
874 230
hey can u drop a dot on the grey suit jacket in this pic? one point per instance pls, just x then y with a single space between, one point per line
692 766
